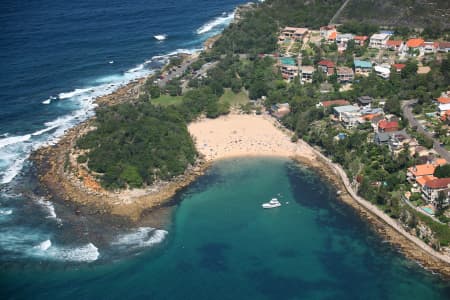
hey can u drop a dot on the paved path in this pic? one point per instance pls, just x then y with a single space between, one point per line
407 113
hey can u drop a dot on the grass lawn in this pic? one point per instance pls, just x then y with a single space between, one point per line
166 100
234 99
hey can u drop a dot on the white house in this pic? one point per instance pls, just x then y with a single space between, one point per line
379 40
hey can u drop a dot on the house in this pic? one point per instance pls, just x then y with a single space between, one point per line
429 47
326 66
294 33
326 31
381 138
383 71
443 100
280 110
442 108
342 40
362 67
344 74
395 45
339 102
379 40
398 67
398 140
340 110
427 169
444 47
386 126
413 45
306 74
289 68
360 40
432 189
332 37
364 101
351 119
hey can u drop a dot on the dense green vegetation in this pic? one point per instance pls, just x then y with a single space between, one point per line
136 143
257 33
431 14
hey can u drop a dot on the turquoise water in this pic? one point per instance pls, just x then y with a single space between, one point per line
222 245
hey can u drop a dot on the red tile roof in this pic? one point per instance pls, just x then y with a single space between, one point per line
335 102
333 35
327 63
384 124
440 183
414 43
394 43
360 37
443 100
444 44
399 66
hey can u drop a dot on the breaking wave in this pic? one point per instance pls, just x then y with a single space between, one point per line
140 238
218 22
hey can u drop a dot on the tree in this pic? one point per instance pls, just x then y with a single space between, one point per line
442 171
393 106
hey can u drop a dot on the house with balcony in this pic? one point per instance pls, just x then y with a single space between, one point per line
360 40
344 74
412 47
327 31
293 33
306 74
444 47
395 45
432 188
289 68
382 71
362 67
379 40
429 47
417 171
342 40
326 66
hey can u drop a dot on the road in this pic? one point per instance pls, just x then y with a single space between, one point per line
176 72
407 113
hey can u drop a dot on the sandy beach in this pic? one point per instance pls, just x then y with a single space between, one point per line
245 135
251 135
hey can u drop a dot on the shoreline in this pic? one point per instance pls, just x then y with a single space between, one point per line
50 161
53 177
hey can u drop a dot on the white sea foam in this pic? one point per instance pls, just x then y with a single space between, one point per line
73 93
5 212
219 21
50 209
14 140
85 253
49 100
140 238
14 150
44 245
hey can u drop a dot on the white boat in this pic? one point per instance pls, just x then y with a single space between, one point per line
272 203
160 37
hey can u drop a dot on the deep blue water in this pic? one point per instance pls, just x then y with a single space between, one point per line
63 49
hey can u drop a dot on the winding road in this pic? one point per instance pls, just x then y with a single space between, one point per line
407 113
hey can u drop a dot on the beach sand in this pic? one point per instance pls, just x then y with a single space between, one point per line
245 135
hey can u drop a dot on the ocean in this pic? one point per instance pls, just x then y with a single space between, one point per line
56 57
221 244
